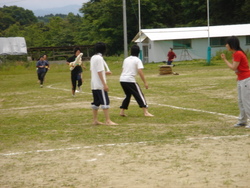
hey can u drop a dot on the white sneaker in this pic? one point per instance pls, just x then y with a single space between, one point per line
77 91
41 86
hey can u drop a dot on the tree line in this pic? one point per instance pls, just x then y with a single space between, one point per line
102 20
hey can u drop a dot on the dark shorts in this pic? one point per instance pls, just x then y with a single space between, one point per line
100 98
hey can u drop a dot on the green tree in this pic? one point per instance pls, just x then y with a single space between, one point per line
13 14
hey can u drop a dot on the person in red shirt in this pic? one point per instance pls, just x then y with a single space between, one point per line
171 56
241 68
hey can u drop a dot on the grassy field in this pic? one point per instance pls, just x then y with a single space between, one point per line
199 103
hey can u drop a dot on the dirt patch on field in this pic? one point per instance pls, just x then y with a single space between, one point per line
200 162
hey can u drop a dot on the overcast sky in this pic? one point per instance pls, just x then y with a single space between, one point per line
41 4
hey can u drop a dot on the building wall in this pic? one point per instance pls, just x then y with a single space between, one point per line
157 50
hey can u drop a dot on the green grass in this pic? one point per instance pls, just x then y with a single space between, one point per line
34 118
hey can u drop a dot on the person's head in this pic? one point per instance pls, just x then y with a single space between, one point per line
233 43
41 58
100 47
171 49
77 51
135 50
45 56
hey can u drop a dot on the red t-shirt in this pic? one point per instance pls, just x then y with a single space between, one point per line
243 71
171 56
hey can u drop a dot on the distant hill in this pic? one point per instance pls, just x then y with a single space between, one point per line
58 10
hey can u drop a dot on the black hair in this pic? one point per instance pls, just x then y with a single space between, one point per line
76 49
234 43
135 50
100 47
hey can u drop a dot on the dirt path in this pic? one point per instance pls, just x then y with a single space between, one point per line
200 162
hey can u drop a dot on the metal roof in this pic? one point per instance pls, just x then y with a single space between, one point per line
193 32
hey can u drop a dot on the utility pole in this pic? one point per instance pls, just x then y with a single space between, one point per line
208 42
125 36
139 13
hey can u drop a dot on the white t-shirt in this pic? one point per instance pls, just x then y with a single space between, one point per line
130 69
97 64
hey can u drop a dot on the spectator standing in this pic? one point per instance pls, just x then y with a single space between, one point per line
240 66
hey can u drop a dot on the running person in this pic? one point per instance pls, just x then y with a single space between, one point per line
131 66
99 85
76 73
41 70
171 56
241 67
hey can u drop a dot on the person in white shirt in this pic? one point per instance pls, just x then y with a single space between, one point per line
131 66
99 85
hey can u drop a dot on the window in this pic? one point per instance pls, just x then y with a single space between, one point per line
248 40
145 54
218 41
182 44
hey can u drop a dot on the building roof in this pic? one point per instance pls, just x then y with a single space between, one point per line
193 32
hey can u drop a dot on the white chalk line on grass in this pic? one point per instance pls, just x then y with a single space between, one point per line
119 144
122 144
166 105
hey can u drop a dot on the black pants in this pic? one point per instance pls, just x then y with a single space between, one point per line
134 89
76 79
41 76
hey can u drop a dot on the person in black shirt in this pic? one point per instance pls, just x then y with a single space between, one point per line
76 73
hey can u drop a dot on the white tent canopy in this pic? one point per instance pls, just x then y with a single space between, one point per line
13 46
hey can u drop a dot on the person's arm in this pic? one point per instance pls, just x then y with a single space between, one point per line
233 65
108 72
39 65
105 86
140 72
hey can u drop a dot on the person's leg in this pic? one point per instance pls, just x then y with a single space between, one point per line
107 117
39 76
245 98
126 100
79 79
104 98
242 119
95 117
95 106
73 81
140 99
42 78
146 113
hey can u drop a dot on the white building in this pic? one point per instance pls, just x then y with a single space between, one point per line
189 42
